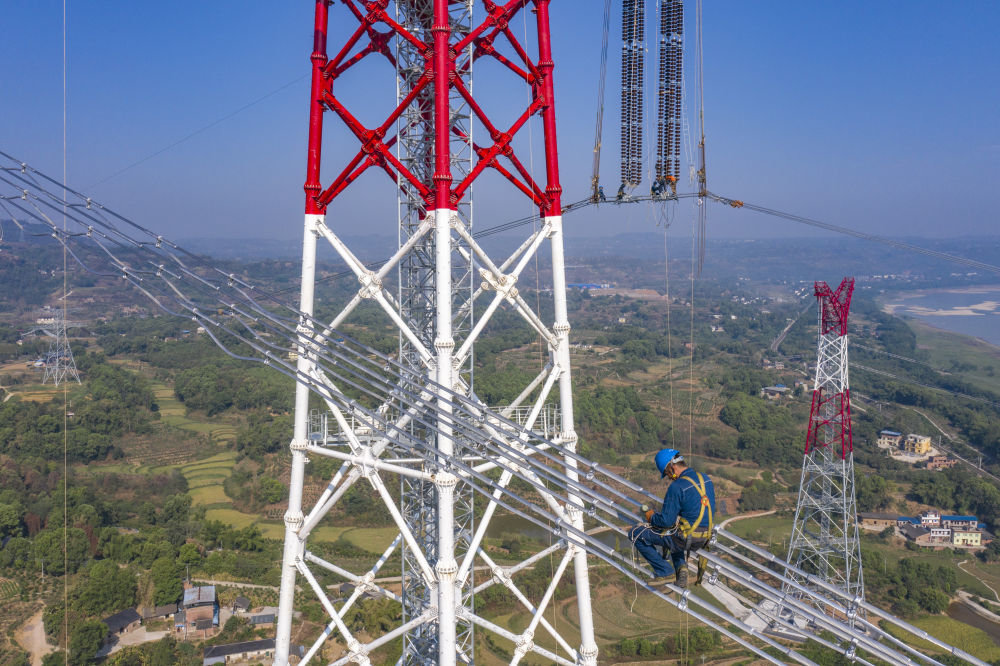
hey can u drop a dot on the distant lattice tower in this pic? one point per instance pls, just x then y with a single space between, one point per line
824 538
59 363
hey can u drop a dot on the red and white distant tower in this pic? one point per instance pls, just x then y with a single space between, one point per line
824 538
437 140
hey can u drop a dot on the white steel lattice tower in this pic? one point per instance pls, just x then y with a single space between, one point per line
824 539
418 298
427 291
59 363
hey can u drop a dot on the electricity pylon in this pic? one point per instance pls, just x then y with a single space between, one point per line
824 539
59 363
443 276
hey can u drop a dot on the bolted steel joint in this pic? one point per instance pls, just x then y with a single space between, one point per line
561 328
445 479
293 520
568 438
298 444
500 576
524 643
442 344
446 568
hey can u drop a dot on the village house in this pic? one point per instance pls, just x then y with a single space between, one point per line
877 521
159 612
262 621
919 535
122 622
960 522
930 519
940 462
890 439
200 615
969 538
917 444
934 530
774 392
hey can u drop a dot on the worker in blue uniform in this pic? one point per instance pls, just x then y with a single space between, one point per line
683 525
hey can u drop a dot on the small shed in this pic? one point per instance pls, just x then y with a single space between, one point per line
241 605
220 654
265 620
157 612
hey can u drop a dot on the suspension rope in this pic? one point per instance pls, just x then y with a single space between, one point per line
65 100
670 357
702 170
602 76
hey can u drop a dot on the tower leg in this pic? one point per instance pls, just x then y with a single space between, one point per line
588 644
293 516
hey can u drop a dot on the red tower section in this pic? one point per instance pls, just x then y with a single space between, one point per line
446 56
830 416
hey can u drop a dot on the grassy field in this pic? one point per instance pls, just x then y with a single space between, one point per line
963 636
945 348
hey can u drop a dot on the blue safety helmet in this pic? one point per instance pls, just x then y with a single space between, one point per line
664 457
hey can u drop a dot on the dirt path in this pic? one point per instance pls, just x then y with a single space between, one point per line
979 578
725 522
31 636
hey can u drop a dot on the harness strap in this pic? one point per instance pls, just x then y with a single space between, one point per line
687 528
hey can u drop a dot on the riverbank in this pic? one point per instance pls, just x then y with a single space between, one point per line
968 311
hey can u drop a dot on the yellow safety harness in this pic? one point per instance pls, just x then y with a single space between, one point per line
687 528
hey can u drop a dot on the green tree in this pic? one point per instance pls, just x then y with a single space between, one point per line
627 647
166 580
85 640
189 554
873 492
106 589
48 550
10 520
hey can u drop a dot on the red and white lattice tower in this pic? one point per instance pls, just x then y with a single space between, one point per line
435 142
824 539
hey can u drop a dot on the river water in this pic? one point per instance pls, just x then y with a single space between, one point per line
971 311
959 611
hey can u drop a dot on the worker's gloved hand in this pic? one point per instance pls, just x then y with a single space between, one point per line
649 515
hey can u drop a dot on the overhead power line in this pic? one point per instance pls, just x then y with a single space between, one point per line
971 263
957 394
403 410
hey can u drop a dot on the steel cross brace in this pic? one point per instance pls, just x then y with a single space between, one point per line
377 144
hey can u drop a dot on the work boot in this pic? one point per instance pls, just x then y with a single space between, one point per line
682 577
663 581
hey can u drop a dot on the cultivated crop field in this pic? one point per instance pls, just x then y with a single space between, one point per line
8 589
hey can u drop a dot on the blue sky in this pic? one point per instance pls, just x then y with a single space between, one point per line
883 116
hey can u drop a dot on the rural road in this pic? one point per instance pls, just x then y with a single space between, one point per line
725 522
31 636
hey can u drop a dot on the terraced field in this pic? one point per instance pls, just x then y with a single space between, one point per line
8 589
